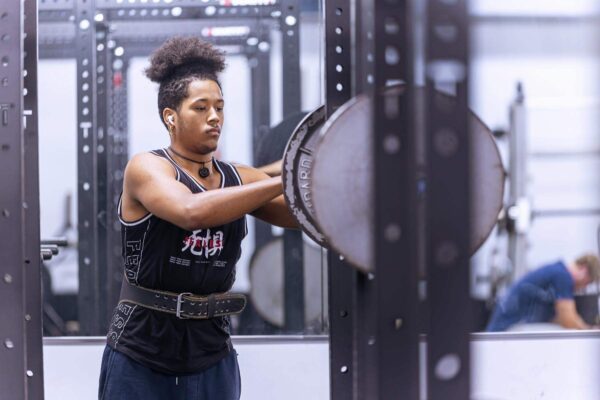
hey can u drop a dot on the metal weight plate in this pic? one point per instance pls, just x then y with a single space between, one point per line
266 283
270 147
297 165
341 181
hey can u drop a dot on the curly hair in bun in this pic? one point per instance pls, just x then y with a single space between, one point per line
179 61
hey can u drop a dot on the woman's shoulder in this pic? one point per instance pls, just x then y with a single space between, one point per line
147 163
147 157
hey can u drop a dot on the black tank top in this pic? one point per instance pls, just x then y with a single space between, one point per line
160 255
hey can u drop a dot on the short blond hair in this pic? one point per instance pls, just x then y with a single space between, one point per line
591 263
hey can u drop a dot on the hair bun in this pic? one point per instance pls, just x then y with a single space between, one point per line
184 54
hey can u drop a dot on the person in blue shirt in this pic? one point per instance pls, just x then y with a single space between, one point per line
546 295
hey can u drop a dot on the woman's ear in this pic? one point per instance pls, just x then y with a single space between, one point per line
169 117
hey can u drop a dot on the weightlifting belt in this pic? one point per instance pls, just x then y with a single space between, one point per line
183 305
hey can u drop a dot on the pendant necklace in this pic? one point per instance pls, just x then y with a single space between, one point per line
203 171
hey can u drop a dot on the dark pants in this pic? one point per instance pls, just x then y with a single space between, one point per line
122 378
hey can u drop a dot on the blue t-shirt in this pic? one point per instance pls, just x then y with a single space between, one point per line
531 299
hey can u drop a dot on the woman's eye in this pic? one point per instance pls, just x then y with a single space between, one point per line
220 109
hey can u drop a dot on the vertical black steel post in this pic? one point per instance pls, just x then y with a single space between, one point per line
12 331
365 334
290 53
259 57
293 281
31 210
259 60
260 92
394 369
21 375
341 277
292 239
116 154
260 76
111 117
365 319
449 220
101 171
87 185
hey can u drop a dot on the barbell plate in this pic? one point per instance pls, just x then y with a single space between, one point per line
343 169
340 180
267 288
297 165
271 146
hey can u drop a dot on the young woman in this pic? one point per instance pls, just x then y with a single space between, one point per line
182 218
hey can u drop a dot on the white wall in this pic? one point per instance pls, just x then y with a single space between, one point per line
534 7
283 368
533 365
505 366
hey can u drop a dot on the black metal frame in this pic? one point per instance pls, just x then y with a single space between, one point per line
293 243
341 277
100 29
116 138
376 319
21 372
31 211
448 202
395 301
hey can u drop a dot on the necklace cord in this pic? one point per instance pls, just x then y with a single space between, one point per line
189 159
203 171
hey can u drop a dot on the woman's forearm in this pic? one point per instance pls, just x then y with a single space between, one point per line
221 206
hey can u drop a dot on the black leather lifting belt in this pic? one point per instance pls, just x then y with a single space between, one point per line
183 305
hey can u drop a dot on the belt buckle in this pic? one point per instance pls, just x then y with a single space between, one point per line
179 302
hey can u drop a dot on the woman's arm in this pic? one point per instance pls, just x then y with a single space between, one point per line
273 169
276 211
149 183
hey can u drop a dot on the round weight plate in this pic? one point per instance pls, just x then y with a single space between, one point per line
340 181
270 147
266 283
297 165
343 169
